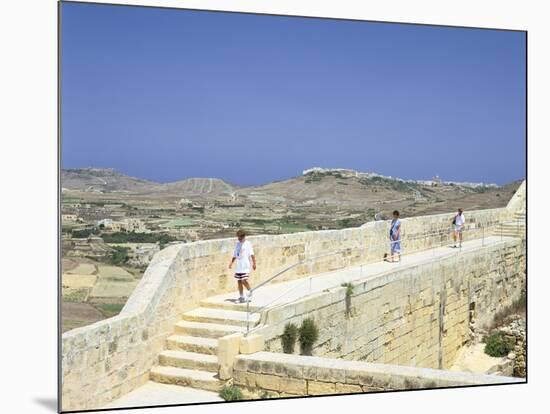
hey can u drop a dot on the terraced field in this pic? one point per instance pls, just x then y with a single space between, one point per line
93 291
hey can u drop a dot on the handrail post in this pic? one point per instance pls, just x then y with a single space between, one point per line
247 316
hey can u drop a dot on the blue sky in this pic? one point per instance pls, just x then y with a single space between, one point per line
169 94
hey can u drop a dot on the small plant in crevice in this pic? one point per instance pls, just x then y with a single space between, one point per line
496 345
349 291
288 338
308 335
231 393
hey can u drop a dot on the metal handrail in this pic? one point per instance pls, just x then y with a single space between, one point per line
301 262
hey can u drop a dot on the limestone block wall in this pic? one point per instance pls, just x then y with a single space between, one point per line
292 375
111 357
416 316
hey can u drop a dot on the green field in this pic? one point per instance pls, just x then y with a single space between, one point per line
183 222
109 309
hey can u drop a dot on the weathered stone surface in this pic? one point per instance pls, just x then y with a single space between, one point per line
347 388
405 329
360 376
320 388
228 349
293 386
251 343
244 378
268 382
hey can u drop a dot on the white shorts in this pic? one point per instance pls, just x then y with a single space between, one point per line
458 228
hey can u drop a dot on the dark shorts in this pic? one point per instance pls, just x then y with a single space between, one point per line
241 276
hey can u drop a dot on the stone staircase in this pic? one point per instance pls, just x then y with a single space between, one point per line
513 228
191 355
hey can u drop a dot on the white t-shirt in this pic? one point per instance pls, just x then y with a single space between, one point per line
460 219
242 253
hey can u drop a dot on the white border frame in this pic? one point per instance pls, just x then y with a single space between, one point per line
28 31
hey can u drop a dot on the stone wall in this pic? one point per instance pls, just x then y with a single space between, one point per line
283 375
104 360
516 333
418 315
109 358
518 201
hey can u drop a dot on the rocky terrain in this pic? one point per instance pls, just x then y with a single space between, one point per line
102 179
327 188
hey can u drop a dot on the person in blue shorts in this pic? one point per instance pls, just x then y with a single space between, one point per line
395 236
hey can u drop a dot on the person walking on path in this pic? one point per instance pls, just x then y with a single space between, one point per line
242 254
395 236
458 223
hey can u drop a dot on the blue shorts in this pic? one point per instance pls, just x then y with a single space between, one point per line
396 246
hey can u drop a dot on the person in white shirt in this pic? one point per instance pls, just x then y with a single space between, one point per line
242 254
458 222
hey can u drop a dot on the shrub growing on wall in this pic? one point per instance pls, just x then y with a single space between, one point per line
231 393
308 336
288 338
496 345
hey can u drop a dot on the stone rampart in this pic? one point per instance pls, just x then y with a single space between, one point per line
104 360
418 315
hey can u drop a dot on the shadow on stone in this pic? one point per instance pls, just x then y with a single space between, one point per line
49 403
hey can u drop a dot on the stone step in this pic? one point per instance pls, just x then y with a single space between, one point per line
189 360
190 378
219 304
192 344
221 316
207 330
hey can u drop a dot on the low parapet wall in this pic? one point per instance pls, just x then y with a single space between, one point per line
104 360
418 315
295 375
518 201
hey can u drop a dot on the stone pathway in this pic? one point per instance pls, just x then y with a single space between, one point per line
291 291
474 359
153 393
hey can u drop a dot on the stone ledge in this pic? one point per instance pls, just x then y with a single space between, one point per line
274 371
